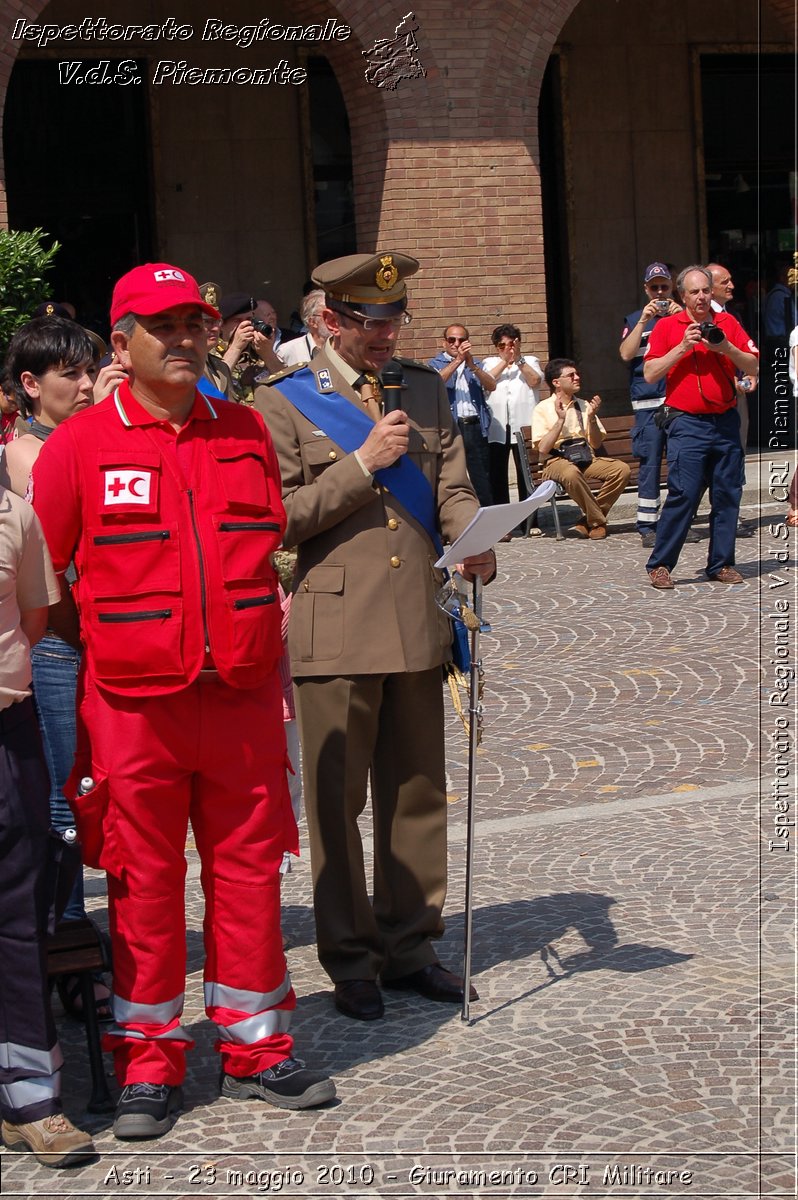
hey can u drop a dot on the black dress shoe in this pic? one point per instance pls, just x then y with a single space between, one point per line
434 982
359 998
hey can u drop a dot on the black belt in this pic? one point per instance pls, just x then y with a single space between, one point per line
702 416
468 420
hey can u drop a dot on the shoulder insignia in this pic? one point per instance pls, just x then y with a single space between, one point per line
284 374
324 383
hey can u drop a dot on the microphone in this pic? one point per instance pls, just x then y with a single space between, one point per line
392 378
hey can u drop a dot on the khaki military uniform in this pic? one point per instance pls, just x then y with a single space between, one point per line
218 372
366 643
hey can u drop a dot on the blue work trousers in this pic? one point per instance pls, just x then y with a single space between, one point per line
30 1058
704 450
648 447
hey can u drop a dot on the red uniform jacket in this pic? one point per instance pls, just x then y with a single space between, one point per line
172 536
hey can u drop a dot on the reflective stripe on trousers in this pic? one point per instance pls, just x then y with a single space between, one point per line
28 1092
166 761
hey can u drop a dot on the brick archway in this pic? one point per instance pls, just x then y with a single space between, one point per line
445 167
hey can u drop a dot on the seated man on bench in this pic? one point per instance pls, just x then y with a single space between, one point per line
567 433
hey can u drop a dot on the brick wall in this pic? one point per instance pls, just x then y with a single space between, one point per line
445 167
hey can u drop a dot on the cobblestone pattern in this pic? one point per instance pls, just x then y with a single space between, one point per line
628 970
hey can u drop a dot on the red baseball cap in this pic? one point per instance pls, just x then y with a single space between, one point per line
153 288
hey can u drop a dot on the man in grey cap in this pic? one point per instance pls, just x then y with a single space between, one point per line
369 495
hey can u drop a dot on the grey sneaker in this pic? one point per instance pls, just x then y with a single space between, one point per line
144 1110
54 1141
288 1084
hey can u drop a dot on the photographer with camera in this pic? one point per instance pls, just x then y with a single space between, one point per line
250 336
698 352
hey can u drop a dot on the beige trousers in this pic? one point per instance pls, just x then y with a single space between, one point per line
611 474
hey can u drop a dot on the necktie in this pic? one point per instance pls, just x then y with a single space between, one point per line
370 394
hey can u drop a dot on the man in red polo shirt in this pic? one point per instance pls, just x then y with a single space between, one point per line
699 352
170 506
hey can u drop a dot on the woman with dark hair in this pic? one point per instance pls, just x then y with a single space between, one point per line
517 378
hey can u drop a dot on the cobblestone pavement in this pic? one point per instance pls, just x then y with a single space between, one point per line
632 931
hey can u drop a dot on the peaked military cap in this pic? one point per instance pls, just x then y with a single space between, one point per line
374 284
211 293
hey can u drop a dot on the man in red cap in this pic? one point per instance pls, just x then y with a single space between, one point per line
170 505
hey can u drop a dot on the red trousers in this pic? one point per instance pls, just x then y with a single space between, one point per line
215 756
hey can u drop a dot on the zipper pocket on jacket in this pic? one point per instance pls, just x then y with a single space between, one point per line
250 526
154 614
111 539
254 602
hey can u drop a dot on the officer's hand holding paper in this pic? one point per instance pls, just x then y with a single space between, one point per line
491 524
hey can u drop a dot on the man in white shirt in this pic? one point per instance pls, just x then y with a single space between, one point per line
302 349
722 294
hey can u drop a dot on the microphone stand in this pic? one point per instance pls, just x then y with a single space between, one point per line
475 717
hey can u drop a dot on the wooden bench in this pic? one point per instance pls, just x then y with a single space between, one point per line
617 444
79 948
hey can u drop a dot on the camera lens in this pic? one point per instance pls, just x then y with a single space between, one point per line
711 333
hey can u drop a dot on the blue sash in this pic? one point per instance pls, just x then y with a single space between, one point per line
209 389
349 427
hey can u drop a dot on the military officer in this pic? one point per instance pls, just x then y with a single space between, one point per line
216 372
367 495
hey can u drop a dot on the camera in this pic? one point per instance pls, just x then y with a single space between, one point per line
663 306
261 327
710 333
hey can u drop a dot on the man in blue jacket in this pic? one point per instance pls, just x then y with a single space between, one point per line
466 384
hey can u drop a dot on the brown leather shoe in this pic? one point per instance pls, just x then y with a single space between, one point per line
661 579
54 1140
727 575
434 982
359 998
597 532
581 530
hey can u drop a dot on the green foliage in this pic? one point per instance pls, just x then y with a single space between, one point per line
24 265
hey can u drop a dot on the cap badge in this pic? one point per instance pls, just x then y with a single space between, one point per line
387 274
211 297
48 312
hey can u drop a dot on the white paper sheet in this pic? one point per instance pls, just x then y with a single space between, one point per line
492 523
